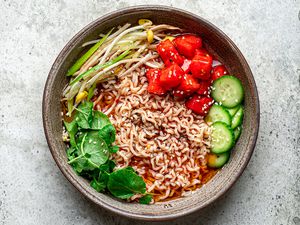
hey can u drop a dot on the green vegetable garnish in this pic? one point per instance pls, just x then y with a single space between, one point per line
91 138
99 182
93 152
84 118
91 92
98 185
146 199
72 129
87 55
124 183
113 149
70 107
108 134
99 120
102 66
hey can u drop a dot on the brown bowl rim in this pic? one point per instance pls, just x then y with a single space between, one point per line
74 181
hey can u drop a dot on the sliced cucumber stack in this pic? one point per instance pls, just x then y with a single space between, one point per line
218 113
237 132
226 116
228 91
232 111
222 138
237 118
217 160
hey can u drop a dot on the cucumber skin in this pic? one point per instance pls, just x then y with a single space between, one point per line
237 119
237 132
232 138
218 164
225 111
233 111
214 89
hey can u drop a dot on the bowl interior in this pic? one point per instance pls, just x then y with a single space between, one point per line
220 45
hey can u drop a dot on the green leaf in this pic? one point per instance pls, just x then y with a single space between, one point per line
99 182
146 199
79 164
96 149
87 55
108 166
71 152
84 116
113 149
72 129
108 134
130 169
98 186
111 165
99 120
93 152
90 174
124 183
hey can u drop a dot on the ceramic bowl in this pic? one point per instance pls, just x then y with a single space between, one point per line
220 45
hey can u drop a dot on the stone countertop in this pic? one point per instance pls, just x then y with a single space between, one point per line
34 191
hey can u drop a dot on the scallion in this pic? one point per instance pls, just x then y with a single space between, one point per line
87 55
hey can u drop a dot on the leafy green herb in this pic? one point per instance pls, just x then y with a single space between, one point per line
113 149
92 136
99 120
71 152
99 183
72 129
108 166
108 134
124 183
94 152
87 55
84 117
130 169
95 149
146 199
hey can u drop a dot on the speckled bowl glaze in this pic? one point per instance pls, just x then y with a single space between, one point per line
220 45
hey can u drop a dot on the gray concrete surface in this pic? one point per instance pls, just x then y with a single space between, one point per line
33 190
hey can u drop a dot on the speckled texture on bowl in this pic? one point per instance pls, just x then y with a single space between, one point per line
227 53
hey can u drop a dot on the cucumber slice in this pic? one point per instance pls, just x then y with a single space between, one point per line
228 90
222 138
237 132
218 113
233 111
237 118
217 160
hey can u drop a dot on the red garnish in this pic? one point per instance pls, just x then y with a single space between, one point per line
200 52
187 44
218 71
188 85
154 86
168 53
201 67
171 77
204 87
199 104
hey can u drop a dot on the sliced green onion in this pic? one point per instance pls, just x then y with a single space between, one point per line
91 92
98 67
87 55
70 107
